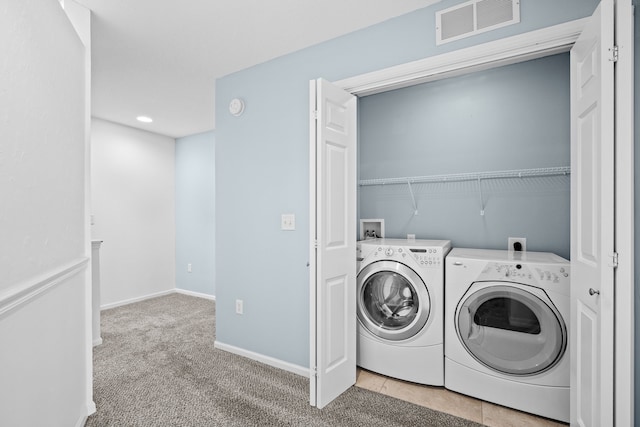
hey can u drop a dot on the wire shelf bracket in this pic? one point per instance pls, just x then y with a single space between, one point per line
413 199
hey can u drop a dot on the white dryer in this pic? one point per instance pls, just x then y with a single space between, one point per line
506 329
400 308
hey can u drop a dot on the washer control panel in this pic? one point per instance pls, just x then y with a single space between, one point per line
425 256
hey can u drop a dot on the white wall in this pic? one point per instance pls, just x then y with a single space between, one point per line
45 346
133 192
195 213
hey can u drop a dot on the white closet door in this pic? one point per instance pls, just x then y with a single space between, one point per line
333 241
592 222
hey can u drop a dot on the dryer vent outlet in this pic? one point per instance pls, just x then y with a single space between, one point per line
517 244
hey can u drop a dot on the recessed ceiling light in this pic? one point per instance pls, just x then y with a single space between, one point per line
144 119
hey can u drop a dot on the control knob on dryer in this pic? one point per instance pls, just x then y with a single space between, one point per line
388 251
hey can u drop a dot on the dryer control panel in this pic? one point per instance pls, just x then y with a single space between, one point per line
526 273
552 274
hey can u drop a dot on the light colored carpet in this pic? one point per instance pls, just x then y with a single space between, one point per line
157 367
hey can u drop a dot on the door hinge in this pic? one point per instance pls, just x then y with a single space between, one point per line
614 54
315 244
314 113
614 260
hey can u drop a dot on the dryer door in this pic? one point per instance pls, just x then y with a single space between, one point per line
513 329
393 301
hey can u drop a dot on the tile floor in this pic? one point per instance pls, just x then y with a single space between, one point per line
443 400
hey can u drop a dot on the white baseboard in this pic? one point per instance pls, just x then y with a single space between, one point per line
137 299
267 360
195 294
155 295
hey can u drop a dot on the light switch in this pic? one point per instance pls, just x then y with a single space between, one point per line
288 222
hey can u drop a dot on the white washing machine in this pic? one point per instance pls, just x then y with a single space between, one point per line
400 308
506 326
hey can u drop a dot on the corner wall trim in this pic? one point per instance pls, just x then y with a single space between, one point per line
267 360
25 291
81 421
91 409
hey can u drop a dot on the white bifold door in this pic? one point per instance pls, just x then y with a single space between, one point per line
592 221
333 241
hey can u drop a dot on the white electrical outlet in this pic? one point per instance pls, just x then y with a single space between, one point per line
239 306
411 237
514 241
189 268
288 222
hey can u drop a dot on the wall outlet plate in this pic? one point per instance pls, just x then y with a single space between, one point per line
239 306
288 222
514 242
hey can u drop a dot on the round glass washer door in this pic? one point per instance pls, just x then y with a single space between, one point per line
511 330
393 301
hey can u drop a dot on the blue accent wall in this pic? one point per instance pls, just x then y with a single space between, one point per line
512 117
262 169
195 213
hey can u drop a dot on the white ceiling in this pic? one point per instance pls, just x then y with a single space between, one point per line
160 58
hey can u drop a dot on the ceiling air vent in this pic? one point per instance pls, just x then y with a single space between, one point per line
475 17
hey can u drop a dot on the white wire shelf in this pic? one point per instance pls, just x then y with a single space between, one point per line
472 176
